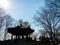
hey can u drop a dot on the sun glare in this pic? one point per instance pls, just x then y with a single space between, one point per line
4 4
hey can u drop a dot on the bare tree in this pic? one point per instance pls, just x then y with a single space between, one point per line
43 33
9 21
2 23
5 22
49 17
24 24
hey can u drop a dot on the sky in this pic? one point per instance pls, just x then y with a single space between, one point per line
25 10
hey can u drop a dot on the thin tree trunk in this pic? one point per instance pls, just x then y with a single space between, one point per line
5 34
11 36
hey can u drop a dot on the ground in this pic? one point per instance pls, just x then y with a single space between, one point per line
23 42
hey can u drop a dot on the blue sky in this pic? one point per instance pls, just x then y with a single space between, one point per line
25 9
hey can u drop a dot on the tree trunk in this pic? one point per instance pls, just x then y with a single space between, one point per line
5 35
11 36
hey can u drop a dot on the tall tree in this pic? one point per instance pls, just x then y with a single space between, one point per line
2 23
49 17
5 22
9 21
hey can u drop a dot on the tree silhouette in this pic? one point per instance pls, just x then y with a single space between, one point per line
5 21
49 17
8 23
